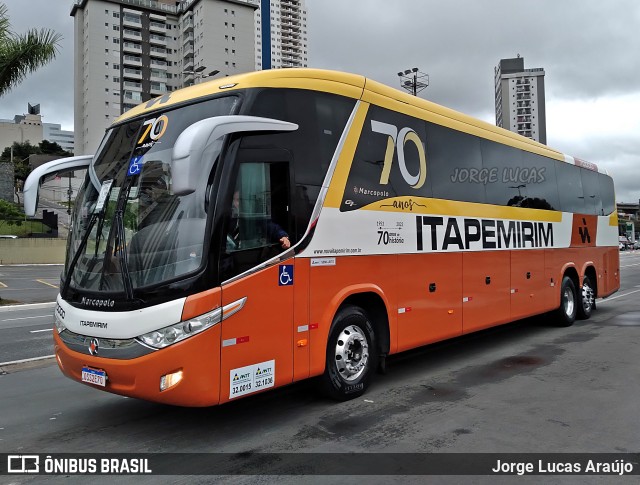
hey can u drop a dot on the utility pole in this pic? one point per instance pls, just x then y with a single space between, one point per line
69 192
413 80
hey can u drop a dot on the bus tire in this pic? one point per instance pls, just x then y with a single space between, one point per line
587 299
351 355
569 301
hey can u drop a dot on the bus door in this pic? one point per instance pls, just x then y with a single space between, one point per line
256 341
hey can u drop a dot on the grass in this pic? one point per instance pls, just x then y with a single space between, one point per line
24 230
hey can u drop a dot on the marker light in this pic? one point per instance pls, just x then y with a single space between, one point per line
170 380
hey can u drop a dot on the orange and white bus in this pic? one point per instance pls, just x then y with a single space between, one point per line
250 232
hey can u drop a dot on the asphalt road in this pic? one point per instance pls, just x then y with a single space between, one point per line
30 283
525 387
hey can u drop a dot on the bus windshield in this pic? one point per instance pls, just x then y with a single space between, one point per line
128 230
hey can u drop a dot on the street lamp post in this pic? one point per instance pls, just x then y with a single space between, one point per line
198 72
413 80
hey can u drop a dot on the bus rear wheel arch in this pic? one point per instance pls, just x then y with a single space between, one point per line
352 354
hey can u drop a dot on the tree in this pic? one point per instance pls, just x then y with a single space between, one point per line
10 214
21 54
52 148
22 151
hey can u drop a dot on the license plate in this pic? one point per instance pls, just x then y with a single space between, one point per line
94 376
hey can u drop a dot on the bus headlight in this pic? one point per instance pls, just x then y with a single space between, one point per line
159 339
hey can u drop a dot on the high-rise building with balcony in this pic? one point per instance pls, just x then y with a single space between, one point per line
281 34
129 51
519 97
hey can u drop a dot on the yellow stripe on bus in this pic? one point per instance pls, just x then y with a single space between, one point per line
343 167
422 205
613 219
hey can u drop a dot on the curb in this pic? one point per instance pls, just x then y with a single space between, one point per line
24 364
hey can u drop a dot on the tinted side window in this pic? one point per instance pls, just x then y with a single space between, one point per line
390 160
570 188
539 173
507 184
607 194
321 119
455 164
257 223
591 189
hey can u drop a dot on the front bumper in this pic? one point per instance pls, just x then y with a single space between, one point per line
198 358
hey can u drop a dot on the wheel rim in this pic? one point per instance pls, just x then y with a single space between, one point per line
352 353
568 300
587 297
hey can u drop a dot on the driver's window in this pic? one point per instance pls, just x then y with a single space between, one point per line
257 228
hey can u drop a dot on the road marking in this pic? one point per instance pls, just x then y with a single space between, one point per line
22 361
617 296
2 285
629 265
24 318
19 306
48 284
38 331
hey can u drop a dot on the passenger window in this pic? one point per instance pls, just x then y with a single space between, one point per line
607 195
257 227
455 163
591 189
570 188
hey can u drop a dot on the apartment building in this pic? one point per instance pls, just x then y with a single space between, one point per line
281 34
520 99
129 51
54 132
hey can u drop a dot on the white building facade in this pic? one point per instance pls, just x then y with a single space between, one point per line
130 51
54 132
30 128
281 34
520 99
21 128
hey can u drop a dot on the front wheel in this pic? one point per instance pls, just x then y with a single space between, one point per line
587 299
566 313
351 355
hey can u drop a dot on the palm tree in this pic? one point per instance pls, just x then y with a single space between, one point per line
21 54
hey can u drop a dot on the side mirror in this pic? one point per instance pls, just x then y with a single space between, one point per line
32 184
194 150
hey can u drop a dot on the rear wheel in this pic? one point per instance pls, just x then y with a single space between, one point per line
587 299
351 355
566 313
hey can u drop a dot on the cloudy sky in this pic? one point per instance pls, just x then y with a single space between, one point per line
588 49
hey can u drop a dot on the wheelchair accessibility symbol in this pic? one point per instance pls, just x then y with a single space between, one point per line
134 166
285 275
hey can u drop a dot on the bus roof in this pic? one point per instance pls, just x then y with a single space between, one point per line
353 86
350 85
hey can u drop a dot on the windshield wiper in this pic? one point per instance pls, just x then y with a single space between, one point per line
79 251
121 246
